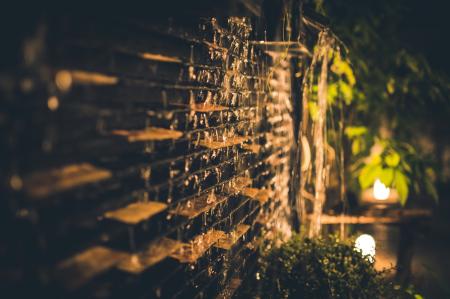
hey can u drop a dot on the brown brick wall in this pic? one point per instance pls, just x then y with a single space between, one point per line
143 160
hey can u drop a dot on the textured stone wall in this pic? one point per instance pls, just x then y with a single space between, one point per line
142 160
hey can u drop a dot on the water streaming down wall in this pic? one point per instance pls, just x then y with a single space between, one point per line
143 160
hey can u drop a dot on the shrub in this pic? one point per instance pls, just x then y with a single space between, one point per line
322 268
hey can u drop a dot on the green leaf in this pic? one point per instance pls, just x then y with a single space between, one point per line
409 148
368 175
387 175
392 159
431 189
406 166
354 131
401 184
332 93
313 110
347 92
356 146
430 173
360 95
390 86
341 67
412 64
375 159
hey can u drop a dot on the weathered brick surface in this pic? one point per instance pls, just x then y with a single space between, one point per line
229 100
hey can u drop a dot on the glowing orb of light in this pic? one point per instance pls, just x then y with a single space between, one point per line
380 191
366 244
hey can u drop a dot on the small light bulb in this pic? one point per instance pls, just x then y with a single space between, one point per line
53 103
366 244
63 80
380 191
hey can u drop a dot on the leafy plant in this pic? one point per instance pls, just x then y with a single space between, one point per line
396 164
383 83
323 268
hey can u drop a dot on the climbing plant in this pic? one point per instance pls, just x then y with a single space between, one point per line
388 91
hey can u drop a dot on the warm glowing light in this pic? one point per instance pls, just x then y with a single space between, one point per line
53 103
380 191
63 80
366 244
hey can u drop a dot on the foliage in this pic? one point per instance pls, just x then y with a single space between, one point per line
395 164
383 84
323 268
